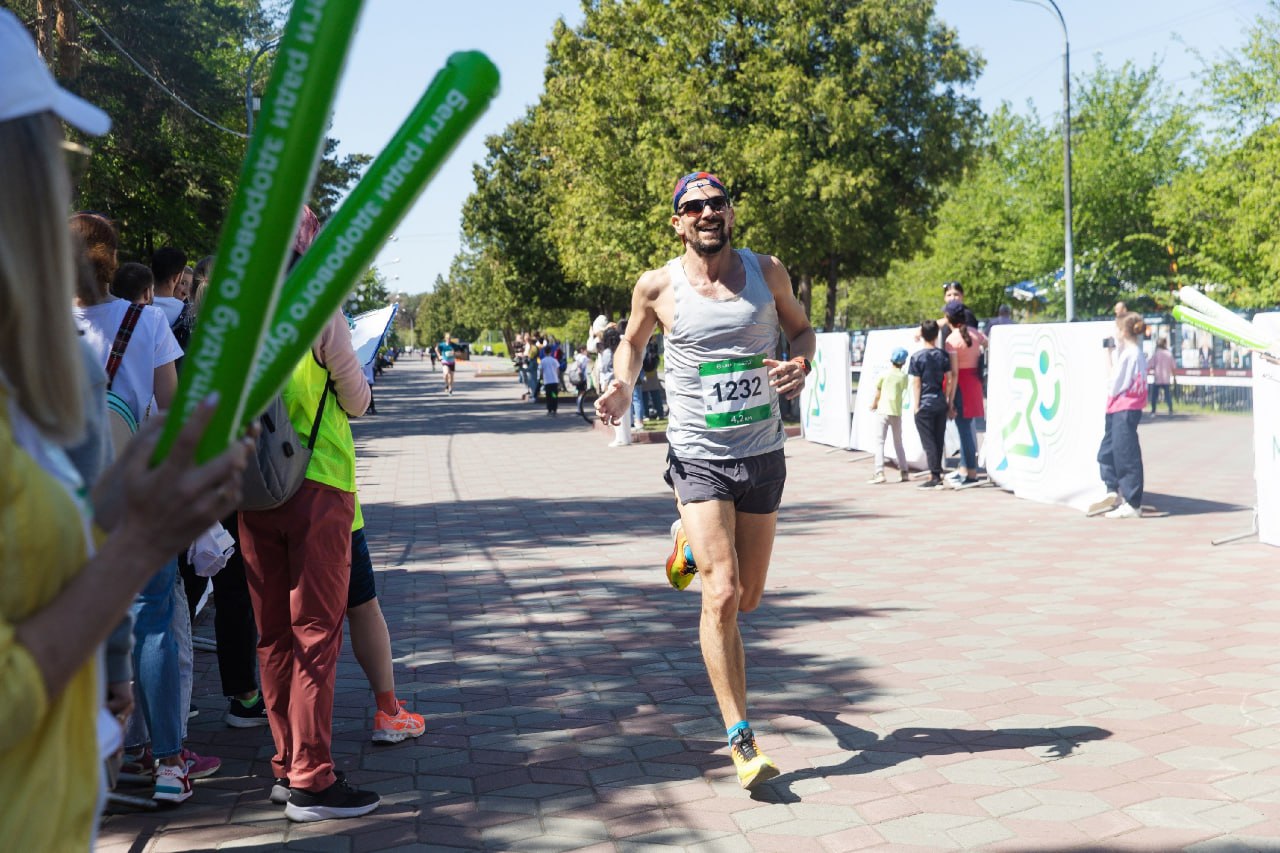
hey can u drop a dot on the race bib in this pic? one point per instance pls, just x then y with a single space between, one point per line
735 391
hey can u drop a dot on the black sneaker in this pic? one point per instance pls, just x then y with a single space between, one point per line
339 800
279 792
932 483
192 711
240 717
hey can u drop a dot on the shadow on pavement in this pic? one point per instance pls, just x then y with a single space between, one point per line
418 406
484 528
1183 505
873 753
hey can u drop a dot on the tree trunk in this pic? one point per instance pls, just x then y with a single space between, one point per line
804 292
68 43
833 292
46 13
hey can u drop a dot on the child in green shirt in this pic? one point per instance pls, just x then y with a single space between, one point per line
891 386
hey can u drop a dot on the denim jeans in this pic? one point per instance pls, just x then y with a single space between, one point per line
653 402
186 654
637 403
968 445
156 664
1120 456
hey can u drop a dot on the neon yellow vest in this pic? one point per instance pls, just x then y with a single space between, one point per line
333 459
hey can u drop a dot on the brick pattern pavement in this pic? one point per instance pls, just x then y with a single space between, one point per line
933 671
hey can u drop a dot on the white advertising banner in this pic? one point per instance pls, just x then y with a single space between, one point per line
1046 410
865 432
1266 434
875 361
368 330
826 401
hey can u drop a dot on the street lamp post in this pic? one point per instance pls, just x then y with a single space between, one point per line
248 83
1069 262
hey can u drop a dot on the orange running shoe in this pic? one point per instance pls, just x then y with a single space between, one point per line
680 566
388 729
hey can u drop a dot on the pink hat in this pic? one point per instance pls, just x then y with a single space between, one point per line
308 228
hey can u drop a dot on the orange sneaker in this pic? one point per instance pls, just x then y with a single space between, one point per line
388 729
680 565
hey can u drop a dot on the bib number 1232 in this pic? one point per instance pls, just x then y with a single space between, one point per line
735 391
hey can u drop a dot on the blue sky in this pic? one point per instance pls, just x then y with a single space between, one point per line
402 43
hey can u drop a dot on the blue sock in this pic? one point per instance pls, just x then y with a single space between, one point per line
736 729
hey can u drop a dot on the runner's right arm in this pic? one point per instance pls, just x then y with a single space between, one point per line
615 402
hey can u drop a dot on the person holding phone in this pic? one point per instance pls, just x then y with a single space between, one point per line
1120 454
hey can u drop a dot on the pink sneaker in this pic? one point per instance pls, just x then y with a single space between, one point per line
388 729
200 766
139 764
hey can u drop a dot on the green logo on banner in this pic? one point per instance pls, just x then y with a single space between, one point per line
819 376
1037 378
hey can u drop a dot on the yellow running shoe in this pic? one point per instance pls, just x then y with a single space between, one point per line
680 567
753 765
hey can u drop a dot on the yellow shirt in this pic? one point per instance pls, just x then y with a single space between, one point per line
333 459
48 749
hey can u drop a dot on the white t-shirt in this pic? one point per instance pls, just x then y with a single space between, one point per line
151 346
550 370
171 306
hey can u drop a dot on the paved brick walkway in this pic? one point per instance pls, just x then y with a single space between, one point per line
934 671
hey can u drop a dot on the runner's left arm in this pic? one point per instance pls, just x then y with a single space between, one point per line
788 376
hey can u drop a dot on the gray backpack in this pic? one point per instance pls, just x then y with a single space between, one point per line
280 464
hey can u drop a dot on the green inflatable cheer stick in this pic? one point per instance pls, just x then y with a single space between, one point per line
345 247
278 168
1247 336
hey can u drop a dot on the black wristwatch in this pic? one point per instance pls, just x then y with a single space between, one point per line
805 363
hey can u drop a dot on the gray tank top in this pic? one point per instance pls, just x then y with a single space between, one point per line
721 404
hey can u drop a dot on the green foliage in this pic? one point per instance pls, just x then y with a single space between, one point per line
506 220
1221 216
836 124
164 175
1002 223
1222 220
370 293
438 313
333 177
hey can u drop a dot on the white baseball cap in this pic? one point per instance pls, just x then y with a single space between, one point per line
27 87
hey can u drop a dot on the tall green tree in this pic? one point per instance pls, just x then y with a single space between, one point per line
438 314
164 174
506 220
1221 216
835 123
369 294
1002 222
334 176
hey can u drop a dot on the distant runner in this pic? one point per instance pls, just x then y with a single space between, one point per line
722 309
448 360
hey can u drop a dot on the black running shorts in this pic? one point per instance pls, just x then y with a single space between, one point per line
754 484
361 587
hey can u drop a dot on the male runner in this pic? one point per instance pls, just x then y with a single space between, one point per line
449 361
721 309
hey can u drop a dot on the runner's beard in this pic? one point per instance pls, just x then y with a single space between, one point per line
707 243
